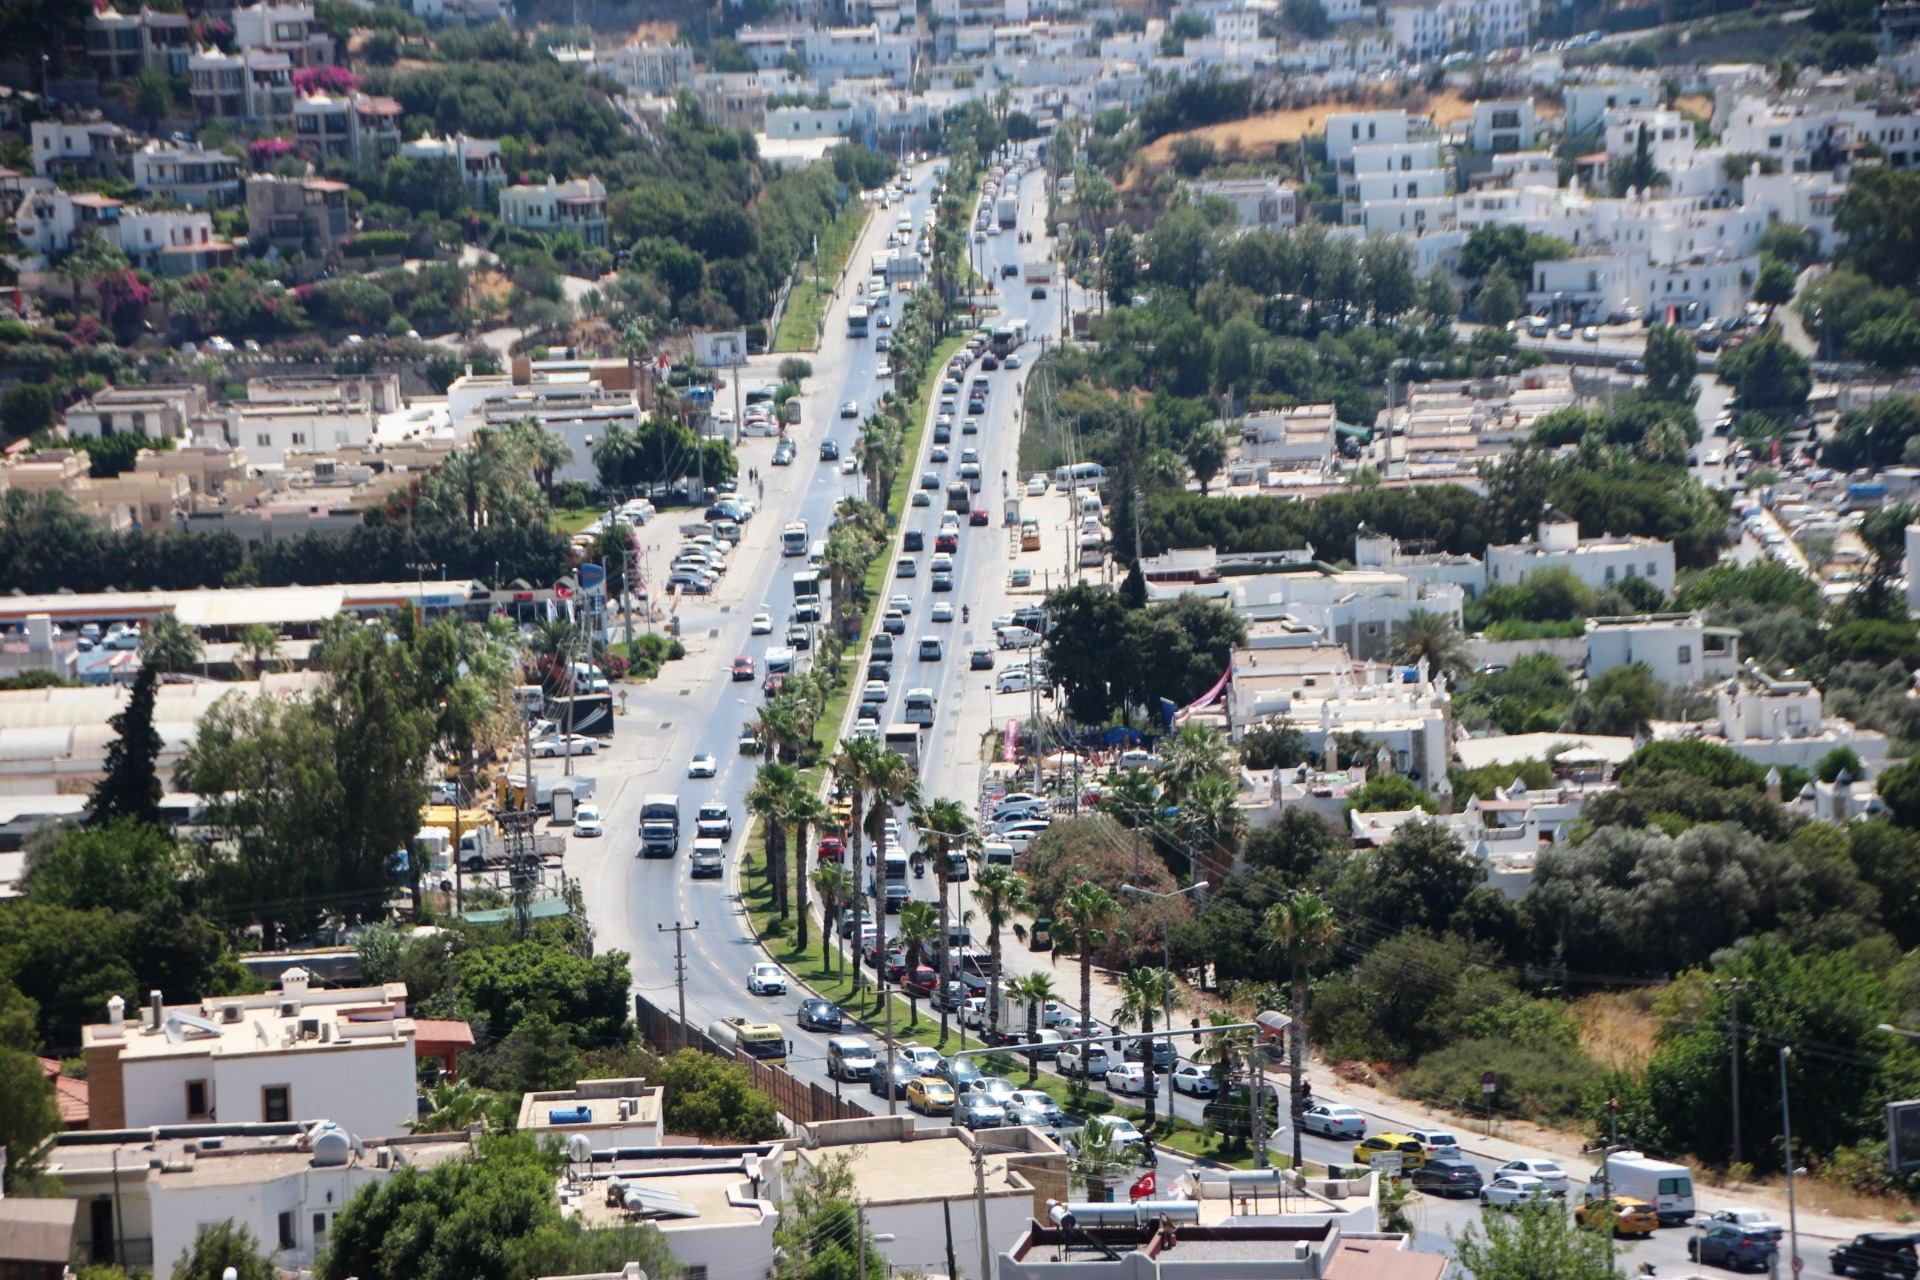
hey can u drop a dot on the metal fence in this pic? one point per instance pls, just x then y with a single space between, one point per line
801 1101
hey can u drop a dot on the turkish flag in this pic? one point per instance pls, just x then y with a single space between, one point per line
1143 1188
563 593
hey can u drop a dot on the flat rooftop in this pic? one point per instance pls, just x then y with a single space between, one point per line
311 1021
701 1197
924 1169
208 1156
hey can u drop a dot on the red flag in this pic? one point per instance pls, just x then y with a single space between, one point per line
563 592
1143 1188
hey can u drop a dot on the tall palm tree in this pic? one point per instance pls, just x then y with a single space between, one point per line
1091 1159
1194 752
541 451
1212 813
1434 639
259 647
1092 913
834 884
1144 992
890 781
1001 893
919 925
168 644
1303 932
950 828
770 799
1035 989
851 764
808 814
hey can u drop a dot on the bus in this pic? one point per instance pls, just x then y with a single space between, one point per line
919 708
1009 336
793 538
806 585
904 740
764 1041
1081 475
857 321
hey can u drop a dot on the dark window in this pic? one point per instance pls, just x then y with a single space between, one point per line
319 1228
276 1104
286 1230
196 1099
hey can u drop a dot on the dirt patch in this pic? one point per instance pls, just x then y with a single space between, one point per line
1695 106
1618 1028
1256 133
491 289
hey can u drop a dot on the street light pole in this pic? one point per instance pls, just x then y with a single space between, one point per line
1786 1140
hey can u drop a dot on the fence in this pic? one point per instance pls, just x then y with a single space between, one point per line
801 1101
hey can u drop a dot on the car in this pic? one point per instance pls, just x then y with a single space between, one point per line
916 540
943 582
1749 1218
1013 682
820 1015
931 650
767 980
1132 1049
894 1082
1412 1154
1549 1173
1039 293
980 658
1513 1191
829 450
800 636
930 480
1012 361
1590 334
851 409
930 1096
959 1072
1447 1178
978 1111
1127 1140
1008 270
1128 1077
924 1059
883 343
743 668
783 454
1877 1253
1736 1247
586 820
1331 1120
1083 1059
703 766
1193 1080
893 622
1035 1107
978 518
942 611
939 454
1630 1215
559 744
763 623
1564 331
921 498
906 567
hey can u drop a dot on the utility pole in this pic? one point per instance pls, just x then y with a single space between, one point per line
1786 1141
1733 987
980 1202
1257 1103
679 932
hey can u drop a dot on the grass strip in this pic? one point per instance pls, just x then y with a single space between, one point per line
807 304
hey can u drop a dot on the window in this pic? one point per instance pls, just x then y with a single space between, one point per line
264 440
1609 573
286 1231
1686 654
299 437
197 1100
139 423
276 1106
1651 570
319 1229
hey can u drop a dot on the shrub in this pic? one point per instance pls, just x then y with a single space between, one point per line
1540 1082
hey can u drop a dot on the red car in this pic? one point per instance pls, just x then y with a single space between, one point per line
831 849
772 685
978 518
923 981
947 542
743 668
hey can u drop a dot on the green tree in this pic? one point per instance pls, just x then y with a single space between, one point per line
170 645
1874 222
117 865
820 1234
1276 744
29 1115
711 1098
951 831
1620 702
1768 376
1092 1161
129 788
1034 990
918 928
1434 639
1439 299
1144 992
1000 893
1302 932
26 410
1671 361
1091 914
218 1246
1498 301
1540 1239
1206 453
1119 268
503 984
1775 283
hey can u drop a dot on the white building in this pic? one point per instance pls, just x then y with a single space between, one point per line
610 1114
254 85
1586 105
843 53
1323 694
1304 437
188 173
156 411
1347 130
574 405
1266 203
1780 722
478 160
173 242
1679 648
289 28
1501 125
1598 562
145 1194
269 432
1428 568
298 1054
579 206
645 66
79 148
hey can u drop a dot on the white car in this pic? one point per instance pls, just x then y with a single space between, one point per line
1512 1191
1545 1172
586 820
1127 1139
560 744
1193 1079
1035 1107
763 623
1333 1121
903 603
851 409
766 980
1128 1077
702 766
942 611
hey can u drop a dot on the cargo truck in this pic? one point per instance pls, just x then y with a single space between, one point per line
660 825
762 1040
1009 212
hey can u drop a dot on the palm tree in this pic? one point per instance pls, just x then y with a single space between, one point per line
1091 1159
1212 812
1196 751
834 884
1035 989
1000 892
1434 639
949 826
452 1107
259 646
1091 912
540 450
808 814
770 799
1133 797
168 644
1143 993
919 925
1303 932
851 764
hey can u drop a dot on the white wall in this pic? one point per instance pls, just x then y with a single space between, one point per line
367 1089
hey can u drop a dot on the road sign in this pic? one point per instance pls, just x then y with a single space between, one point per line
1903 1135
720 350
1385 1163
1486 1082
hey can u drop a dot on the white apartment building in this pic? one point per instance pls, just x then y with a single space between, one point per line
1502 125
1679 648
80 148
122 45
254 85
856 53
1798 126
1779 722
188 173
288 28
173 242
1266 203
573 405
647 67
1349 130
479 161
1586 105
610 1114
578 205
298 1054
361 127
1304 437
269 432
1803 199
1427 568
1410 718
156 411
1597 562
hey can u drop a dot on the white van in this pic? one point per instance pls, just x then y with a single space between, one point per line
850 1058
1080 475
997 853
1017 638
1667 1187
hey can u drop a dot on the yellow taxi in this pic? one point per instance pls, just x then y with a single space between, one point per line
1412 1153
1631 1215
930 1096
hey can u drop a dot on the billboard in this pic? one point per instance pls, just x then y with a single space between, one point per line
720 350
1903 1135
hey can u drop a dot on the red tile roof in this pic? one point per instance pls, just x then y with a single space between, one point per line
76 1101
